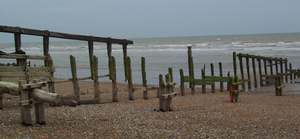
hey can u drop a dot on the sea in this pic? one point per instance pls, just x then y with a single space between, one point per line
164 52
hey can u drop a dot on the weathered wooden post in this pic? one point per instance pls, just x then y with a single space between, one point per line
242 71
212 71
259 71
27 114
124 47
203 78
291 73
114 79
234 65
161 88
109 51
144 78
276 66
74 78
271 66
18 48
281 66
170 72
168 87
221 75
191 69
278 85
248 72
130 85
265 66
48 61
91 54
228 84
182 91
96 80
286 70
254 71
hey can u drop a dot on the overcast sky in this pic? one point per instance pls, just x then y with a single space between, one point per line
154 18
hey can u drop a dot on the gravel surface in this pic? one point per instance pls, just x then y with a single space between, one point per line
259 114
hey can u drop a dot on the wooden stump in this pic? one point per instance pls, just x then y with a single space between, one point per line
165 102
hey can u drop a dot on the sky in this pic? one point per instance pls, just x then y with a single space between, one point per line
153 18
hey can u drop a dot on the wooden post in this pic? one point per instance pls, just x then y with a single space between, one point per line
124 46
48 62
109 51
144 78
248 72
114 79
271 66
234 65
74 78
96 80
46 47
228 84
276 66
182 91
161 88
191 70
291 74
170 72
221 75
129 73
242 71
212 71
27 114
278 86
91 54
281 66
254 72
259 71
203 78
18 48
40 113
286 70
265 66
167 77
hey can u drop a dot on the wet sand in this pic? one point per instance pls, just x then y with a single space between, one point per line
259 114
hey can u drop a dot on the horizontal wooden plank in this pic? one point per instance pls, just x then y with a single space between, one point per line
36 32
11 69
217 79
21 56
202 82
